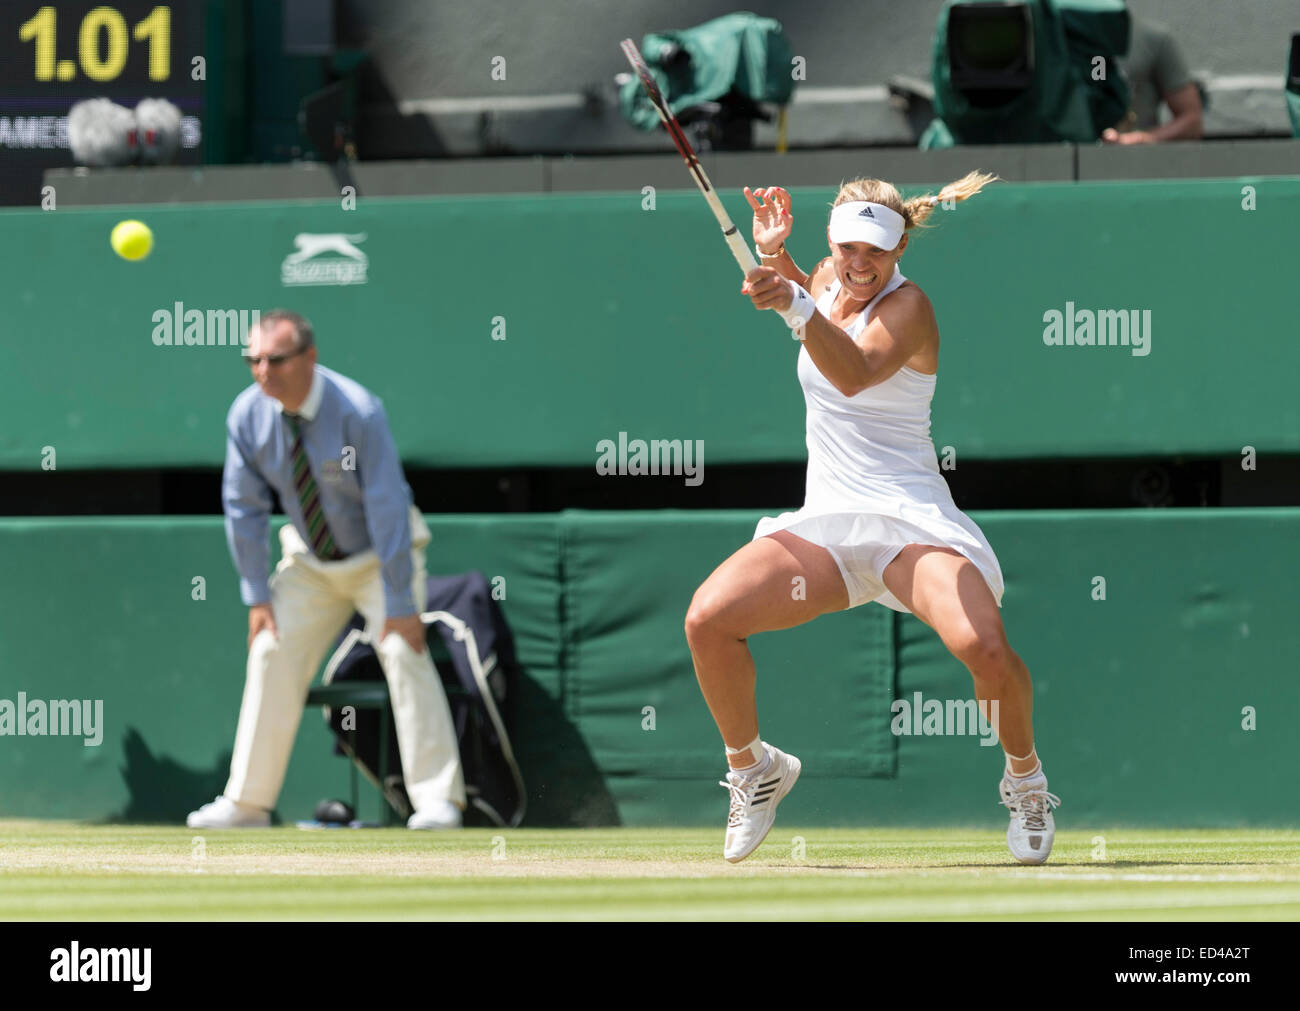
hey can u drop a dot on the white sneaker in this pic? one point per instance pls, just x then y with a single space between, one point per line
225 813
443 814
753 802
1032 827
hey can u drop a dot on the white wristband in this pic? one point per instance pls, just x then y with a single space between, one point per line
800 312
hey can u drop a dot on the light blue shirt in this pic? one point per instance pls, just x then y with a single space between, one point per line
363 493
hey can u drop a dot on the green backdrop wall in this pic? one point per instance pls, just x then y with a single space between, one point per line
1141 697
618 318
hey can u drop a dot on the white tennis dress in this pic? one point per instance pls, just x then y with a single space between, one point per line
874 484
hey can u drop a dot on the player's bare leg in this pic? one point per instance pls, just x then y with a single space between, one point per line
946 591
775 582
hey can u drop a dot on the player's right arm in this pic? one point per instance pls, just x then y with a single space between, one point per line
246 501
773 223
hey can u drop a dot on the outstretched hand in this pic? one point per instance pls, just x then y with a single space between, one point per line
773 221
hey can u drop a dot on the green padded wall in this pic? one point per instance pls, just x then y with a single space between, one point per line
619 319
628 583
1139 696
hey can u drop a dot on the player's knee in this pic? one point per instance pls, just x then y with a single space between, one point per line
984 650
703 618
697 620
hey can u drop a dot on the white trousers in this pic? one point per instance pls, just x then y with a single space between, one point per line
311 600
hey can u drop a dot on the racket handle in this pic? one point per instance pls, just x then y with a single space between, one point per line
740 250
745 257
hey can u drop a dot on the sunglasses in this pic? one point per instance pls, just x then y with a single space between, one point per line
254 360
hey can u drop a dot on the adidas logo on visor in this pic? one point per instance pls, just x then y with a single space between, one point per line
866 213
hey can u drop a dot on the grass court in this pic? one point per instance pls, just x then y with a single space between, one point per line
72 871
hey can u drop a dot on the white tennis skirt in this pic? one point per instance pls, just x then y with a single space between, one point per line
864 543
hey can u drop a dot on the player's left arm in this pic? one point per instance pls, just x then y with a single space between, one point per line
902 326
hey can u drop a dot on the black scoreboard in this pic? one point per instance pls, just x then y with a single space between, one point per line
54 55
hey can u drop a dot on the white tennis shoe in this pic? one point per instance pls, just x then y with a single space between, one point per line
1032 827
443 814
225 813
753 802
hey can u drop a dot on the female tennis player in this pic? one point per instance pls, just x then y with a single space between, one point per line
878 521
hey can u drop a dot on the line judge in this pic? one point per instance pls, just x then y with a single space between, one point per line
354 542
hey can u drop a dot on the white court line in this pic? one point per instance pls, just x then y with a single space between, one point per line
1119 876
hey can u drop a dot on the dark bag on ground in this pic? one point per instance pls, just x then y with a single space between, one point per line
475 656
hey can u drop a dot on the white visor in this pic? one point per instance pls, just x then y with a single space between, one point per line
860 221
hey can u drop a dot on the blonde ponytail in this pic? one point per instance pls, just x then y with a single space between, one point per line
915 210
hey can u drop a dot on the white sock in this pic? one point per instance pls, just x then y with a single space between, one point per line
1036 771
756 751
757 769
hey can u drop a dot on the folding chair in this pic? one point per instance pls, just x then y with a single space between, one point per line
369 695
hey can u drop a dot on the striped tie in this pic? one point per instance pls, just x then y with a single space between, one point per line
318 531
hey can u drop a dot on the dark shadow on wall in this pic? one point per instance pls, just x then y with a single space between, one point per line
565 788
162 790
384 131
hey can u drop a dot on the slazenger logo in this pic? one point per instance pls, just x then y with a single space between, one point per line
312 264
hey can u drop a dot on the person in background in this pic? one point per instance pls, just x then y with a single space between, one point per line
1156 73
354 542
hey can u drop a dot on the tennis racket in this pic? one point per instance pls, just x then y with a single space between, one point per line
739 248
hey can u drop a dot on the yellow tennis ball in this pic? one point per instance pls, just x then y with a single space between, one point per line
132 240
